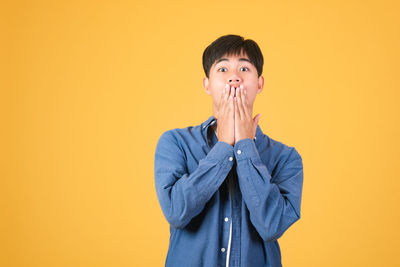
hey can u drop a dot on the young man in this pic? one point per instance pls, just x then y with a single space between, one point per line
228 190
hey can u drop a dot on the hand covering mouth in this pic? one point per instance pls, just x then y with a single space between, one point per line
235 87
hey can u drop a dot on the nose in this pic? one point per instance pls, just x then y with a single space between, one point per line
234 81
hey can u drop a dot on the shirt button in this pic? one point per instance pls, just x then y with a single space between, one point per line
226 219
230 158
239 151
223 249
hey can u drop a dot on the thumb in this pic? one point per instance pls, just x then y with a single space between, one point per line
256 119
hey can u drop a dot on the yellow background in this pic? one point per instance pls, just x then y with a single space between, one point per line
87 88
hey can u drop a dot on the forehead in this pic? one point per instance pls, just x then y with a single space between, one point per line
231 57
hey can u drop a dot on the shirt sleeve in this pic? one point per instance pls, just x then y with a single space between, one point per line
181 195
273 207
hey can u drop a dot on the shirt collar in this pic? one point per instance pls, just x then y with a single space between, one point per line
212 120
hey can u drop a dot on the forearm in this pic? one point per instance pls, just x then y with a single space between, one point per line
182 196
273 207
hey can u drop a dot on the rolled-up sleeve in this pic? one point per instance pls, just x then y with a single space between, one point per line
181 195
273 207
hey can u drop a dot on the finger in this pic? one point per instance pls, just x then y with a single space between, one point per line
245 110
234 108
232 91
245 100
235 111
231 97
221 98
225 97
256 120
232 105
239 109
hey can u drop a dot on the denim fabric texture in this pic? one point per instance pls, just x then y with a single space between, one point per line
203 185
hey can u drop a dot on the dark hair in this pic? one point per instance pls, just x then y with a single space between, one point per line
232 44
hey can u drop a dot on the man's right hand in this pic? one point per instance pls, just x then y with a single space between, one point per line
226 113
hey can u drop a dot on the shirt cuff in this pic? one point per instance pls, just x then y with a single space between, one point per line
246 149
220 151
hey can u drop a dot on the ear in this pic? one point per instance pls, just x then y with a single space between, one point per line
205 85
260 85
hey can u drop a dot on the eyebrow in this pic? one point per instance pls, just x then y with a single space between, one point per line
225 59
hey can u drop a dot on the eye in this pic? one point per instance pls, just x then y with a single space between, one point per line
221 69
244 68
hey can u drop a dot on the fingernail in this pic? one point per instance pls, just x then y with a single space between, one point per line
241 86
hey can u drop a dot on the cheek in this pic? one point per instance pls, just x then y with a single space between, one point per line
216 92
216 96
251 96
218 84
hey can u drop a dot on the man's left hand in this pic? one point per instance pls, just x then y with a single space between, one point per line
245 125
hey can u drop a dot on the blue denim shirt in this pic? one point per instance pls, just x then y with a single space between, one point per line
193 173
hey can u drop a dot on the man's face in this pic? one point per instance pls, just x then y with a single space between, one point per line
233 70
